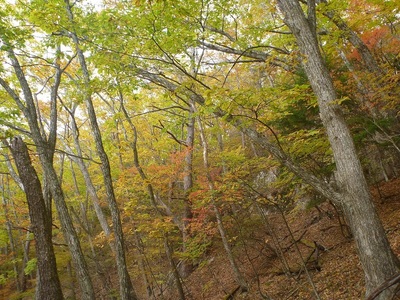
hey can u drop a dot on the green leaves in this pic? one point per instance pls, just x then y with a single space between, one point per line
30 266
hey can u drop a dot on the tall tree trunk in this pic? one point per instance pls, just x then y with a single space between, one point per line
125 284
377 259
46 151
50 287
187 267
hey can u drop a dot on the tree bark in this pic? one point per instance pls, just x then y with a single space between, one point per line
186 267
28 108
125 284
50 287
377 259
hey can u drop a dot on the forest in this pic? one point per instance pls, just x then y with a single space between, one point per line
199 149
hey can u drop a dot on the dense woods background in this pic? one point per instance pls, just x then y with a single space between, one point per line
199 149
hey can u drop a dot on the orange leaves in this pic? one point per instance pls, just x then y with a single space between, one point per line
163 175
373 37
380 41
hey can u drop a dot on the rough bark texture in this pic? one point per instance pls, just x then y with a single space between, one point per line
49 286
377 259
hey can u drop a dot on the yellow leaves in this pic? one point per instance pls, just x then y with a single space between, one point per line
155 228
308 142
342 100
130 205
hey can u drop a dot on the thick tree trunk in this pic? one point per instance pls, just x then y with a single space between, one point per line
50 287
69 232
377 259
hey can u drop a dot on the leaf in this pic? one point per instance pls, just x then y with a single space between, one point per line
30 266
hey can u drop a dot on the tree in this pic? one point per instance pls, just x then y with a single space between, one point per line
45 146
125 284
378 260
49 286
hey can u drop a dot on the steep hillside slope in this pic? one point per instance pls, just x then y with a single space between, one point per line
272 259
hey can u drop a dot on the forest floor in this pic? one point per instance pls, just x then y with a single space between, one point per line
334 270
